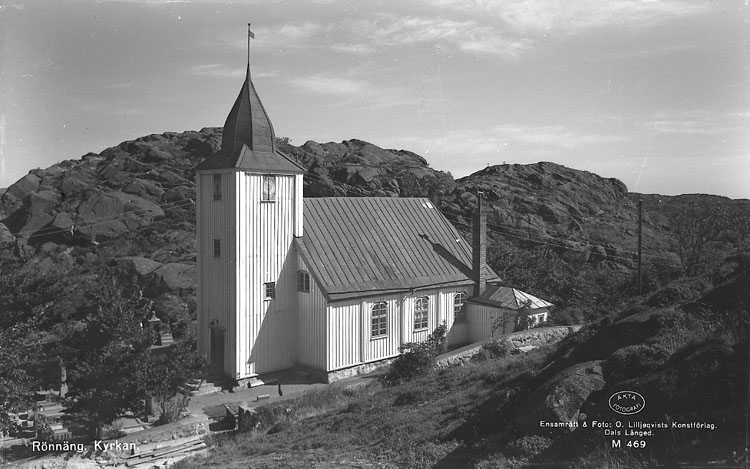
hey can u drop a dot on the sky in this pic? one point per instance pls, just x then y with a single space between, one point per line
655 93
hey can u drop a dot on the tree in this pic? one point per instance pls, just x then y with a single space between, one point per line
111 367
165 376
697 227
523 320
20 352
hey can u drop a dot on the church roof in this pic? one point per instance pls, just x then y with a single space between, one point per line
248 142
510 298
363 246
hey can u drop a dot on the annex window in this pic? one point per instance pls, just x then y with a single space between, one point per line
217 248
421 306
303 281
270 290
217 186
458 306
379 321
269 189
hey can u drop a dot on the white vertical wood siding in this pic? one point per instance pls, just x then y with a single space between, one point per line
343 334
298 204
215 219
266 329
311 323
482 318
349 329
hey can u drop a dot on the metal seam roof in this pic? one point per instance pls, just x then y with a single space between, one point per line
370 244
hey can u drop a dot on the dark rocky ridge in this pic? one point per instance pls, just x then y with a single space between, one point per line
132 207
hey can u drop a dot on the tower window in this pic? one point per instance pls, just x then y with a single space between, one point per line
217 248
269 189
458 306
217 186
421 307
379 320
270 290
303 281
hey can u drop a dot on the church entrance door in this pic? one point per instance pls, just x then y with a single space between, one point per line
217 348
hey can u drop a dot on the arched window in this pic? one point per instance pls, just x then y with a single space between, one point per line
458 306
421 306
379 324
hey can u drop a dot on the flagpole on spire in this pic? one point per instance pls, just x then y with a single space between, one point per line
250 35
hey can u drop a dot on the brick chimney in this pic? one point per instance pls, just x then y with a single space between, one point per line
479 247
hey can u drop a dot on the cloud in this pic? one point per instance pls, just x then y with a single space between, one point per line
217 71
388 31
538 141
355 93
358 48
550 15
698 122
329 85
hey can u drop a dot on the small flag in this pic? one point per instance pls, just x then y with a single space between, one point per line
250 33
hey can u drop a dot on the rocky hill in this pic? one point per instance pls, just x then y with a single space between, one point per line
129 211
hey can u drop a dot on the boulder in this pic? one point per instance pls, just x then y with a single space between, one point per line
179 193
156 155
114 213
5 235
139 266
63 222
172 277
20 189
38 211
561 398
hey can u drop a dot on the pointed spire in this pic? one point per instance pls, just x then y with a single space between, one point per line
248 141
248 123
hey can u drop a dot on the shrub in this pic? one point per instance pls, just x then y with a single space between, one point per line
171 408
417 358
495 349
427 454
633 361
528 446
409 396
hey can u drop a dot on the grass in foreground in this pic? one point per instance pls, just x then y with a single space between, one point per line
413 424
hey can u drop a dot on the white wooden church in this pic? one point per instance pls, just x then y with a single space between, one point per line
334 285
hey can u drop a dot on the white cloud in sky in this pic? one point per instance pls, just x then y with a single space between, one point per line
323 84
217 71
542 140
388 31
698 122
358 48
551 15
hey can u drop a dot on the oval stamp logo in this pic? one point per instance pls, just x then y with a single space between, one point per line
627 402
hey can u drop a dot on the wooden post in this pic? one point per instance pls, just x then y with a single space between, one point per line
640 243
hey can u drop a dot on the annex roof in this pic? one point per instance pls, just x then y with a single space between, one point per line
363 246
248 141
510 298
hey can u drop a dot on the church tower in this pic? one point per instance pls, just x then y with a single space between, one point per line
249 210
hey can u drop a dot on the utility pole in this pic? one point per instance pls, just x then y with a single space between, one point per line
640 243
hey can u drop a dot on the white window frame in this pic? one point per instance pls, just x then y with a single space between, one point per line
421 313
303 281
459 314
269 290
379 320
268 188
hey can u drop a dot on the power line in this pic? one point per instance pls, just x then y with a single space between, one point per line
110 218
498 228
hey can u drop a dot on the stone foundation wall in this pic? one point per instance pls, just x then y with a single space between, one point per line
531 337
